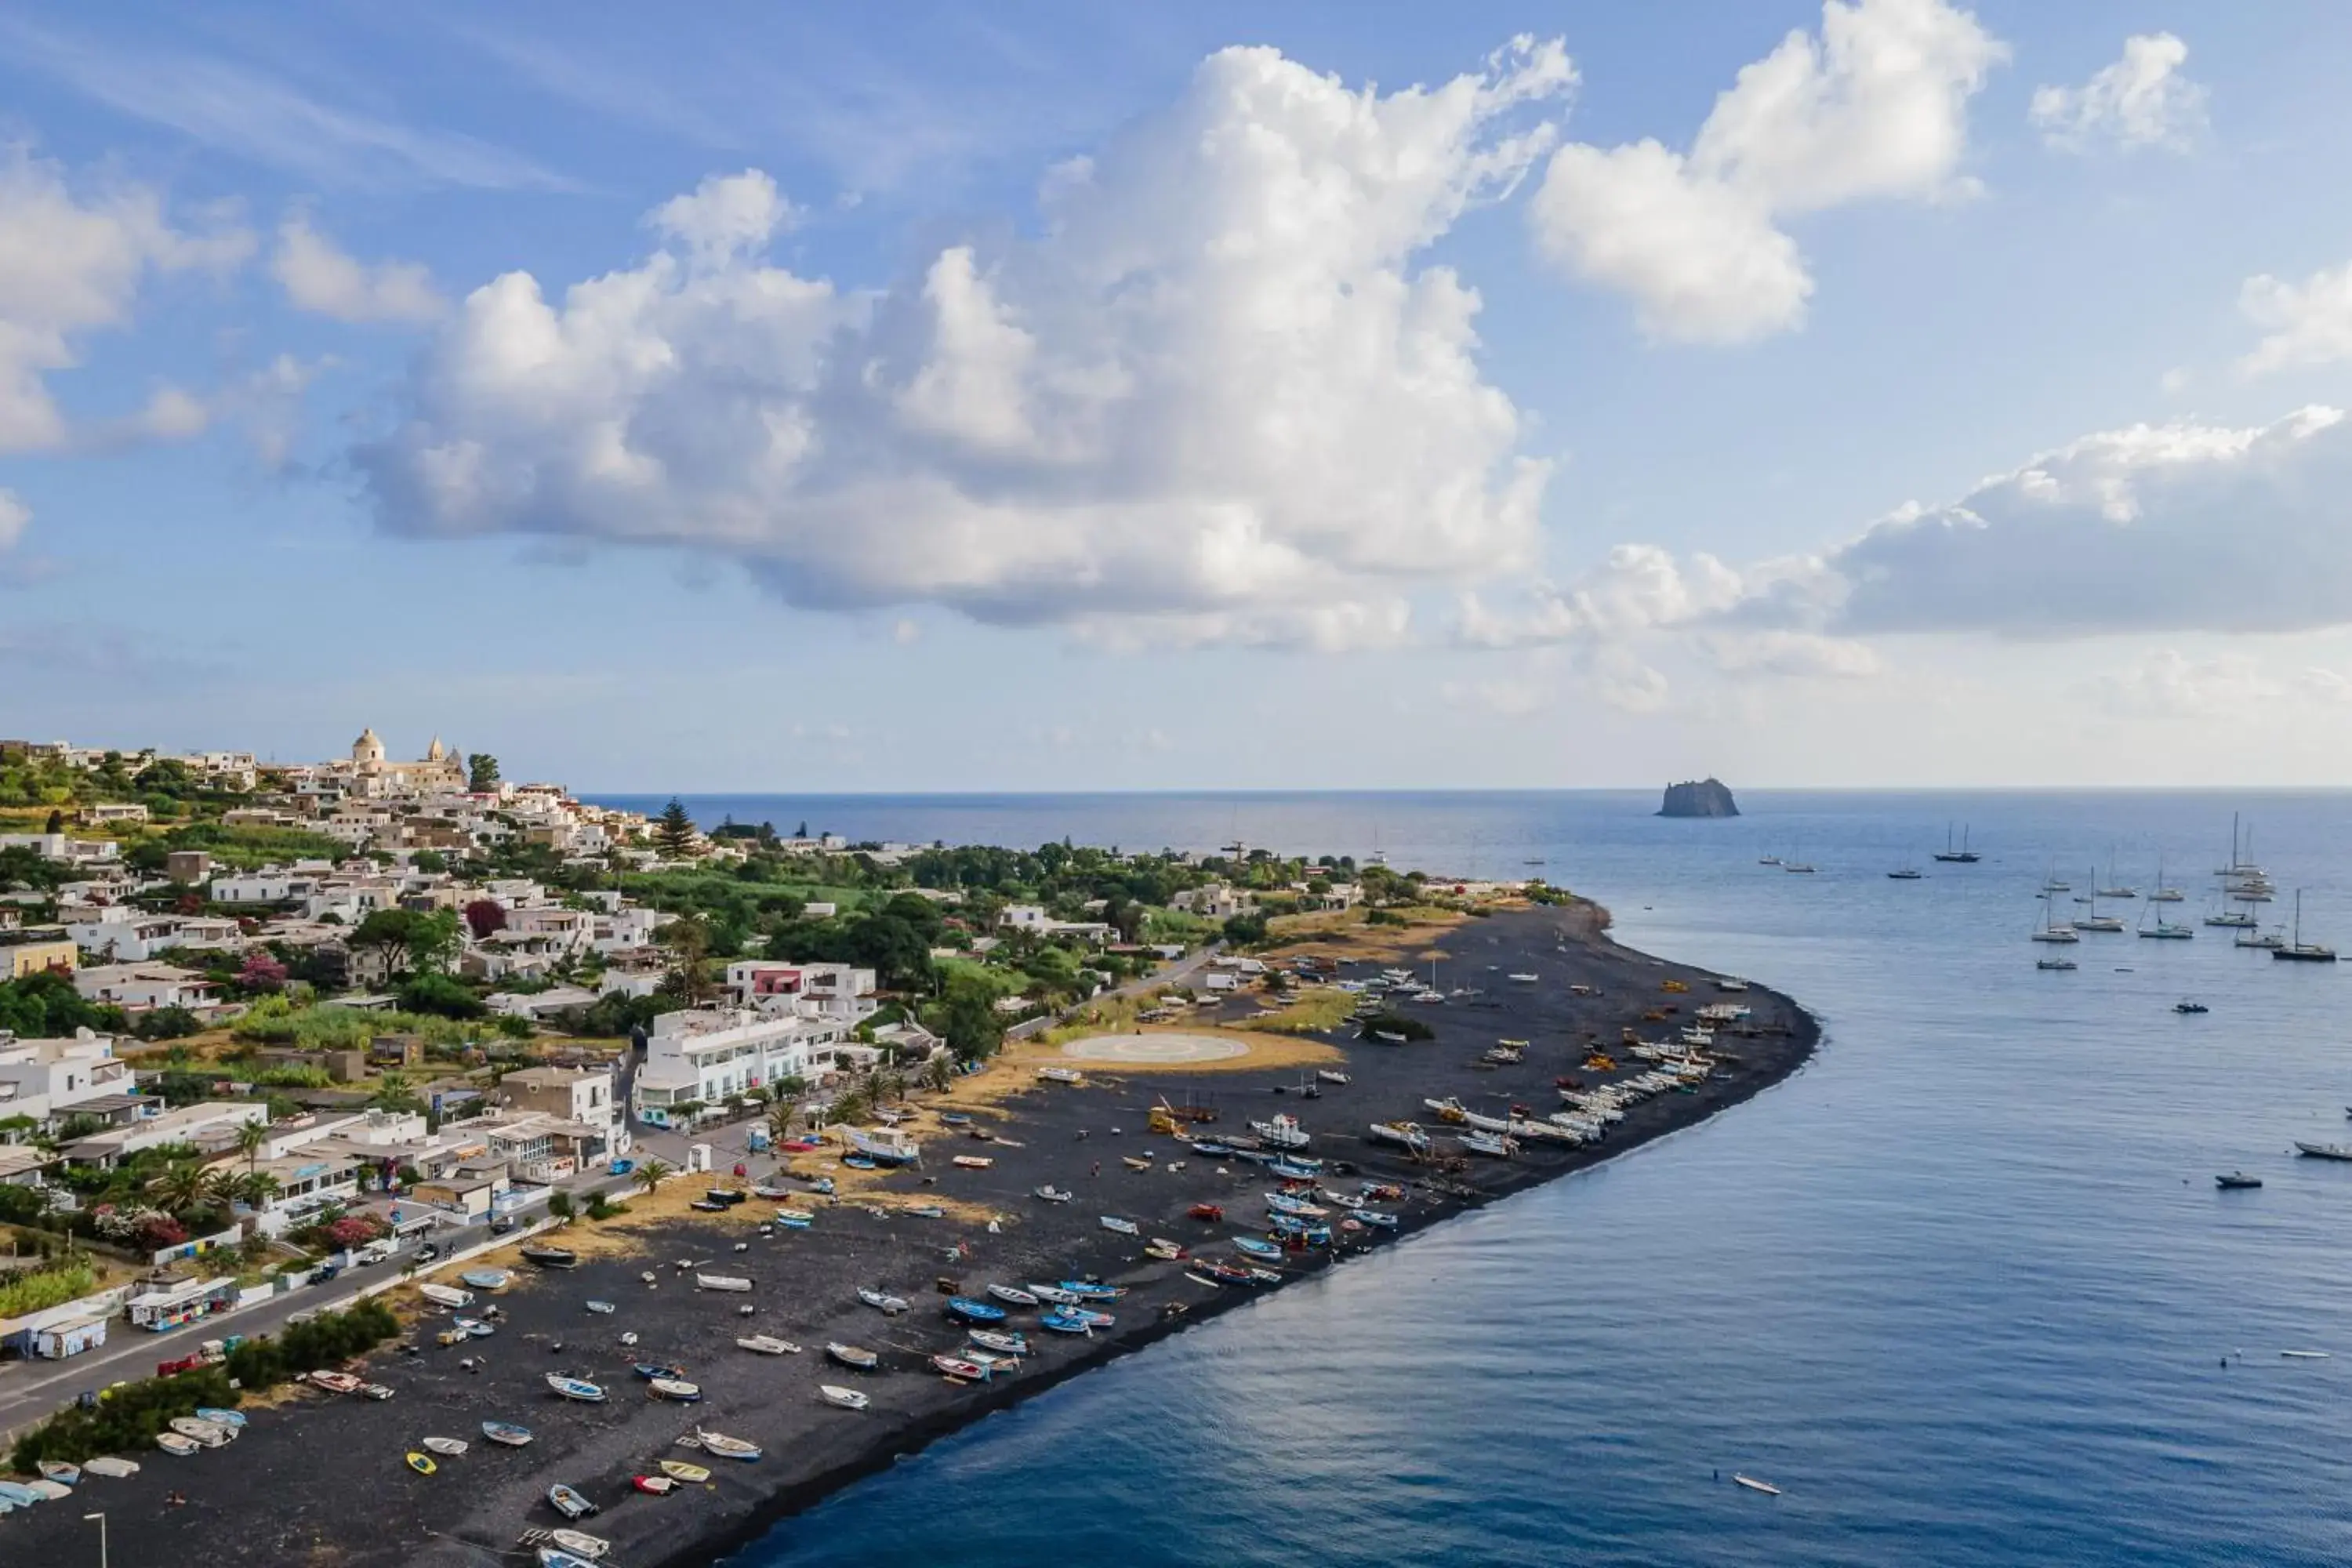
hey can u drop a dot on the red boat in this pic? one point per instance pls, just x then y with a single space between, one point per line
798 1146
1210 1212
660 1485
1232 1273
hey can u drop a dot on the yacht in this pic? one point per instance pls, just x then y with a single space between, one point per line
2055 964
1963 856
2270 941
2052 928
2095 921
2115 890
2163 929
2299 950
1767 859
2236 919
1908 874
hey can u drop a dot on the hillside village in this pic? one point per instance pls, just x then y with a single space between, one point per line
265 1015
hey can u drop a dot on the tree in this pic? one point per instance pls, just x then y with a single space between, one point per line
394 1092
250 1137
688 941
262 971
56 823
968 1019
484 916
183 1186
651 1174
674 832
440 995
481 772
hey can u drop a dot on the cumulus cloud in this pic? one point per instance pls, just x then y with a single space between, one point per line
2167 684
2309 323
72 263
2140 100
1873 107
1221 395
14 518
321 278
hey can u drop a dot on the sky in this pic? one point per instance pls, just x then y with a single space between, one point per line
1048 396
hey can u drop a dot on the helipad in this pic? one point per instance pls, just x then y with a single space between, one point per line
1154 1050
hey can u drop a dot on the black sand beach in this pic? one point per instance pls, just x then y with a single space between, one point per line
322 1481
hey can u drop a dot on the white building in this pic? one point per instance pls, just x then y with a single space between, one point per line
837 991
206 1122
706 1055
579 1095
127 936
46 1079
141 987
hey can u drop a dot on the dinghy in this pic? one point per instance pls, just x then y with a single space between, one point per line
47 1490
486 1279
570 1503
449 1448
728 1448
421 1463
764 1344
60 1472
444 1295
552 1256
220 1417
204 1432
720 1282
176 1445
602 1309
1004 1342
1013 1294
679 1470
578 1388
110 1467
579 1543
956 1366
506 1434
1112 1222
971 1161
847 1398
882 1301
651 1369
972 1312
1054 1194
857 1356
677 1389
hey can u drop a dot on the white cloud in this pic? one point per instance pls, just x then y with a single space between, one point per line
2166 684
14 518
2141 101
2310 322
320 277
1876 106
1639 589
1798 654
72 263
1221 395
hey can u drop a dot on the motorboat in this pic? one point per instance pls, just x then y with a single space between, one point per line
1405 1133
843 1398
1332 1075
550 1256
1013 1294
578 1388
2324 1151
2236 1181
444 1295
568 1501
2185 1006
722 1282
1282 1133
506 1434
765 1344
2058 963
728 1448
882 1301
854 1356
1054 1194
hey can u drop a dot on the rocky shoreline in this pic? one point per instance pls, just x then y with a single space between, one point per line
320 1480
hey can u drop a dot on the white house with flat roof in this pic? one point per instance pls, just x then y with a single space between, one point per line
840 992
207 1123
44 1080
706 1055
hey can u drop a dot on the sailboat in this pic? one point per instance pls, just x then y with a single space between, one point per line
2115 890
2052 929
2095 921
2299 950
1963 856
2161 893
2051 884
2163 929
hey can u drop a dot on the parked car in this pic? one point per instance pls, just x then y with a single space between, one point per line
503 1224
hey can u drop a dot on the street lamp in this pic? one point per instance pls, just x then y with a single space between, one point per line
102 1536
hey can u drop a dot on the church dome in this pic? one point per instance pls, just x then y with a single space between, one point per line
367 748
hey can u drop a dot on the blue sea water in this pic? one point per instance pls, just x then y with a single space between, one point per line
1963 1287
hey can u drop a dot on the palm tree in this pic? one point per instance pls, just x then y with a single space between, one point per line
181 1187
651 1174
255 1189
940 1071
249 1139
779 1120
393 1092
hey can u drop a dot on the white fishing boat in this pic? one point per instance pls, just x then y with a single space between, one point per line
178 1447
1112 1222
722 1282
1283 1132
882 1301
845 1398
1753 1485
1527 979
579 1543
110 1467
767 1344
676 1388
578 1388
448 1446
1061 1075
727 1447
444 1295
1405 1133
2309 1355
1013 1294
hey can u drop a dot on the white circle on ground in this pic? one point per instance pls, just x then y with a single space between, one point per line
1155 1049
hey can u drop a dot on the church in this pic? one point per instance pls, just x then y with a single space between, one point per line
441 768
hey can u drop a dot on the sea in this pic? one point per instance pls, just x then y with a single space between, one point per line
1963 1287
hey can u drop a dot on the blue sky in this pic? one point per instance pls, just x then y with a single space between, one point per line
1057 396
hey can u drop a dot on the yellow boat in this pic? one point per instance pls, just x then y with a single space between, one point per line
678 1469
422 1464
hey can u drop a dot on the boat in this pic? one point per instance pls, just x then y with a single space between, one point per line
62 1473
550 1256
845 1398
1091 1290
110 1467
1123 1227
2052 929
1907 874
656 1486
1377 1218
1963 856
1405 1133
1013 1294
1767 859
1294 1167
447 1447
1332 1075
1135 1161
728 1448
679 1470
556 1557
857 1356
971 1311
767 1344
773 1193
2309 1355
2055 964
2185 1006
473 1328
1298 1208
882 1301
1066 1320
421 1463
337 1382
506 1434
1255 1248
444 1295
1061 1075
1003 1343
973 1161
602 1309
2236 1181
1493 1145
884 1145
722 1282
2324 1150
175 1445
220 1417
570 1503
651 1369
578 1388
2269 941
492 1280
1753 1485
2299 950
1054 1194
1165 1250
629 1340
959 1367
1053 1295
2163 929
677 1389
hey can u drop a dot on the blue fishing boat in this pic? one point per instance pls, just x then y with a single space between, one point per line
651 1369
220 1417
793 1220
486 1279
1211 1147
578 1388
1376 1218
1255 1248
506 1434
857 1162
556 1557
972 1312
1087 1291
1282 1204
1089 1316
1294 1168
1064 1320
1308 1231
